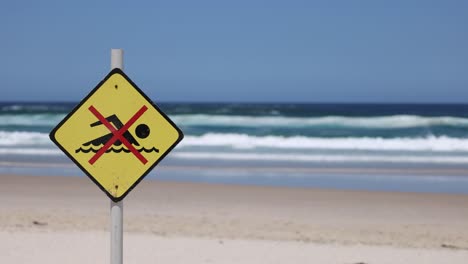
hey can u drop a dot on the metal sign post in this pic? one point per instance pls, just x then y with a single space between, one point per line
116 232
116 208
137 136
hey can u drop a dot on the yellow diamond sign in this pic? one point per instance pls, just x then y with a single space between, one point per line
116 135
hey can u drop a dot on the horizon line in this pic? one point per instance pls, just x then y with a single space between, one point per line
253 102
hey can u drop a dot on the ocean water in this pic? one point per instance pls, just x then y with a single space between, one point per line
399 147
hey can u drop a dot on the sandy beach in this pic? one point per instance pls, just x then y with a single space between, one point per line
66 220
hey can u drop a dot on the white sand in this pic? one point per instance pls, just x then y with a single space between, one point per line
65 220
93 247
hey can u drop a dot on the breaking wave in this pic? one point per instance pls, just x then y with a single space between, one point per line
379 122
322 157
244 141
20 138
442 144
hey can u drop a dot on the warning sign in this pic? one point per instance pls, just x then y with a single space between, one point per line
116 135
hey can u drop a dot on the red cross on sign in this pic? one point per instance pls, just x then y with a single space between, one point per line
117 134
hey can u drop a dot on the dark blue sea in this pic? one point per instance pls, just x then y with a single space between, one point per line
394 147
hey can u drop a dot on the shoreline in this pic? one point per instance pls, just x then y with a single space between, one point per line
335 169
436 179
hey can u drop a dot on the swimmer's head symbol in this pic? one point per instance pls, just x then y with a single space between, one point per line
142 131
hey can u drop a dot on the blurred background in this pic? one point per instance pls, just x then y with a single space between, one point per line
336 94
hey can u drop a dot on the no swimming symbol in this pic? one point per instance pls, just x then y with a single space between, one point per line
116 135
119 135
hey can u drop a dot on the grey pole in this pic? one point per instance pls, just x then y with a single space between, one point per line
116 208
117 59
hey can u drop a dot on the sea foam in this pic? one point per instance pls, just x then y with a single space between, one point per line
20 138
379 122
442 144
322 157
244 141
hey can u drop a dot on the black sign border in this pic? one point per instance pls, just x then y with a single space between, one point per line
111 73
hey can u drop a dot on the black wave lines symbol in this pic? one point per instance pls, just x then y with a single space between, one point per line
117 150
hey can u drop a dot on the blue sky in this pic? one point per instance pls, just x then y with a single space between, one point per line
261 51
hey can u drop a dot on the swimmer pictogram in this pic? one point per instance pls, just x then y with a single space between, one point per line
118 135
